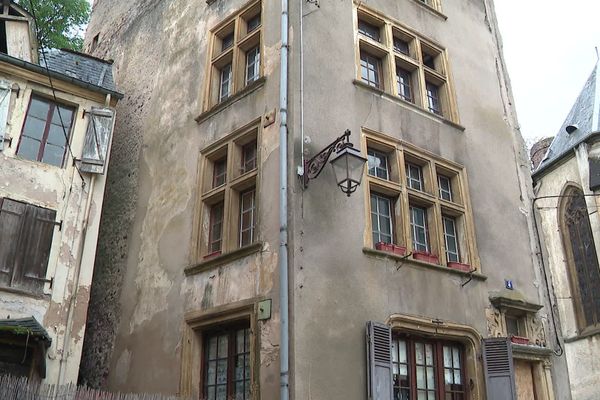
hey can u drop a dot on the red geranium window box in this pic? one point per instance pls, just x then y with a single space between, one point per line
425 256
212 255
391 248
459 266
519 340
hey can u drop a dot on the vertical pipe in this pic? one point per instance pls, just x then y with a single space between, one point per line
283 207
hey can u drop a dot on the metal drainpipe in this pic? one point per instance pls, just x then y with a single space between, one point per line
283 208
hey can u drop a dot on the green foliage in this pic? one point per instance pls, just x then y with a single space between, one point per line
59 22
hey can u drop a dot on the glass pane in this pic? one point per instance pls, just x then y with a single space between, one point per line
404 370
456 356
222 372
430 378
431 396
448 376
223 340
222 392
240 341
56 135
429 354
422 395
239 368
404 394
211 372
457 376
212 348
394 351
28 148
447 357
34 127
247 390
395 370
402 348
385 226
384 206
239 390
53 155
421 377
210 393
247 367
420 353
38 108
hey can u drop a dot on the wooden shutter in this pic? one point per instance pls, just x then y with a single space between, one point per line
12 214
35 244
499 369
379 361
4 102
97 140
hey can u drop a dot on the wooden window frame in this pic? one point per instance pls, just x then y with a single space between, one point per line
246 37
391 204
414 63
438 365
251 229
454 236
48 122
239 179
374 65
425 228
400 154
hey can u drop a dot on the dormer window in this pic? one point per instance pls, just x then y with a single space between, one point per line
16 33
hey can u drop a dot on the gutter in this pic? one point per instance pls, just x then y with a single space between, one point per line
283 208
538 172
54 74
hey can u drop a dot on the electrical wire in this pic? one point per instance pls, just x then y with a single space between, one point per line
42 48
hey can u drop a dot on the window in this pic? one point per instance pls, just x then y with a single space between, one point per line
378 164
370 70
381 218
235 55
403 82
445 187
26 231
226 364
450 239
420 208
582 259
44 138
425 369
369 30
404 64
228 205
418 225
414 176
247 216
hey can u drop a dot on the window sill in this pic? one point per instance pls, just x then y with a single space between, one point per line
223 259
523 351
21 292
431 9
411 261
257 84
586 333
408 104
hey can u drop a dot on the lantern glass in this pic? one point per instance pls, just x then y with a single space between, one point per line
348 166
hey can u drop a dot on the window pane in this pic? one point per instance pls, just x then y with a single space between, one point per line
402 352
239 390
420 353
29 148
34 127
53 155
448 376
369 30
252 65
430 378
428 354
211 373
39 108
222 372
222 392
253 23
447 357
422 395
401 46
456 357
421 377
223 340
239 368
227 42
210 393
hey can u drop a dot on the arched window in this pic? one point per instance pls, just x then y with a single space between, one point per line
582 258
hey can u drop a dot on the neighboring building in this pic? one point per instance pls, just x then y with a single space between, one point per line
567 200
436 245
55 131
538 151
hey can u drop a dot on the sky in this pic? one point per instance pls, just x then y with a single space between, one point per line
549 48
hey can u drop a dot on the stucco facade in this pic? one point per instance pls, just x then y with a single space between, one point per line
159 289
58 298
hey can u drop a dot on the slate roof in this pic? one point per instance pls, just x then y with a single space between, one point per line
81 66
23 326
585 114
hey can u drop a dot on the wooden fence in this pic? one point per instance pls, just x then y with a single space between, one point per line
12 388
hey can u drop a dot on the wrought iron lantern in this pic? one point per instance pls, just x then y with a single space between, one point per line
347 165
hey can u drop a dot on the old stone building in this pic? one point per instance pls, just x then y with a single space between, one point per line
433 256
567 186
56 119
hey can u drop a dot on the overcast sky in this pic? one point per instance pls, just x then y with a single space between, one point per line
550 51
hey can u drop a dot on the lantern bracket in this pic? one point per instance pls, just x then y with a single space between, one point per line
314 166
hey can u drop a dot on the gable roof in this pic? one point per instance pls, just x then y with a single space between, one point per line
81 66
585 114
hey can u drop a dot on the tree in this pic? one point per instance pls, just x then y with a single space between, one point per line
59 22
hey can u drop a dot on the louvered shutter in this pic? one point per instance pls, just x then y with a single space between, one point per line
11 220
379 361
36 242
97 140
4 102
499 369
